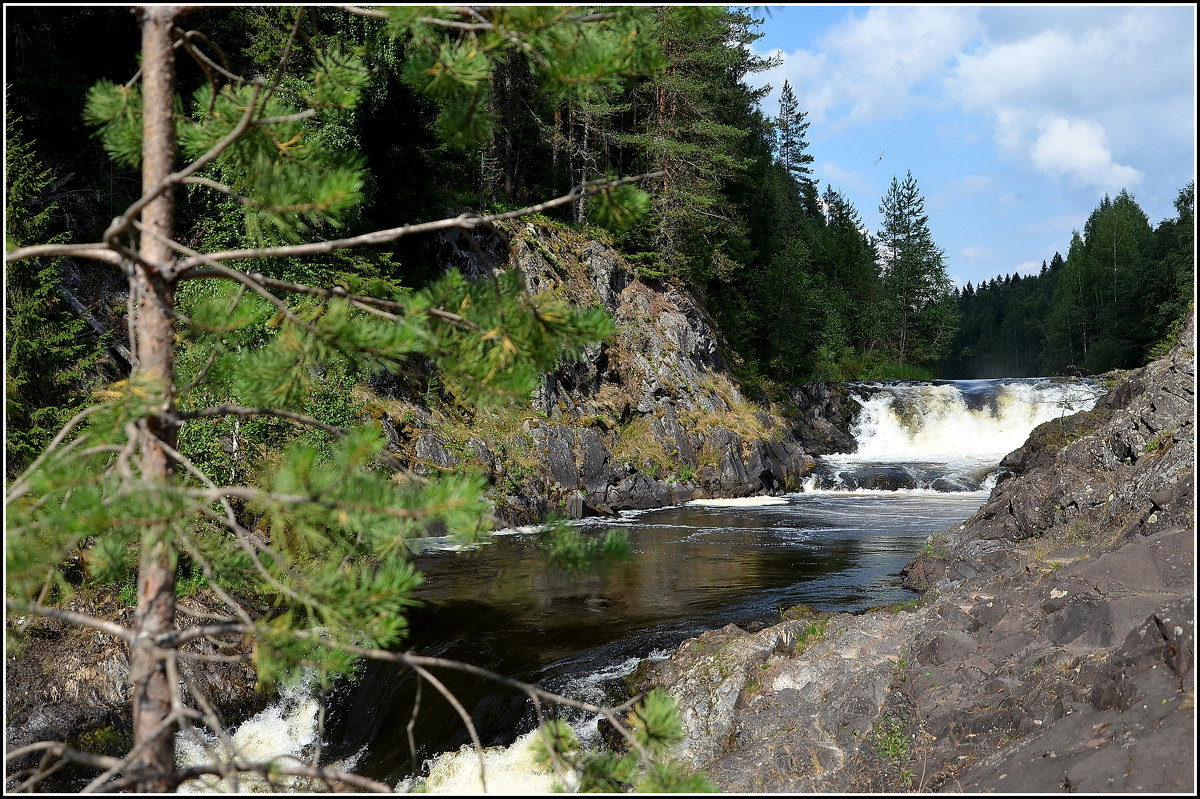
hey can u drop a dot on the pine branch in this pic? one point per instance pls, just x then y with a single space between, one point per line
57 748
21 484
175 639
362 11
273 768
373 304
255 286
241 534
98 251
122 223
533 691
83 620
211 717
449 696
185 38
259 495
462 221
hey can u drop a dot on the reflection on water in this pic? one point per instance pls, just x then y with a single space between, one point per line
693 568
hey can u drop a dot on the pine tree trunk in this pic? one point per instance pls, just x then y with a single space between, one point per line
151 330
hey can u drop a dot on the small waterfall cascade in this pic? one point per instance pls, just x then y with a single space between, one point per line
288 730
945 435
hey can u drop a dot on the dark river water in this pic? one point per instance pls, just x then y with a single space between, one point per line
928 456
693 568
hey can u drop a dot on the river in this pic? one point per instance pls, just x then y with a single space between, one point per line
928 455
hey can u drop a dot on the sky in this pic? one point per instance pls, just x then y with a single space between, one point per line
1015 121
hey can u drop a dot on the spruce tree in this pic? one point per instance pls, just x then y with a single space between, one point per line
916 303
320 536
50 352
791 126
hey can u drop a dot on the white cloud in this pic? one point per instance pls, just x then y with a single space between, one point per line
1078 150
873 66
887 53
1029 268
1094 96
977 255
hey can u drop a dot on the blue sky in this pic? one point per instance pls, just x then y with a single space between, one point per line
1014 120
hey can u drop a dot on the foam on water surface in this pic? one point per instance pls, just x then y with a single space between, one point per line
288 730
739 502
509 770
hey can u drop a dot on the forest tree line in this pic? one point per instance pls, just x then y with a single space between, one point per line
208 225
1114 302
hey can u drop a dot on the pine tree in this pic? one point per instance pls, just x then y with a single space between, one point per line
320 535
693 128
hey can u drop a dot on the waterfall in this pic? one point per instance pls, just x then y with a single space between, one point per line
946 435
288 730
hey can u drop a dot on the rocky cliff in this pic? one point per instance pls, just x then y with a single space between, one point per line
649 418
1052 650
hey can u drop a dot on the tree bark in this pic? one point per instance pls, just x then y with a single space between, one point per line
151 330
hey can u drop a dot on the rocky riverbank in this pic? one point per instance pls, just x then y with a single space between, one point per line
1052 650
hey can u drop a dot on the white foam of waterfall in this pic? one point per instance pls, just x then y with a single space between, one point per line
738 502
288 730
940 422
510 770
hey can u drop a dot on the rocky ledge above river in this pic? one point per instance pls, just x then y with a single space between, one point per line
1052 650
649 418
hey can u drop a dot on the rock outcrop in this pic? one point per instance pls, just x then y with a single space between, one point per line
650 418
1052 651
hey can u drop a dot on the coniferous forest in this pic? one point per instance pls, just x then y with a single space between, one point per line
1112 303
796 283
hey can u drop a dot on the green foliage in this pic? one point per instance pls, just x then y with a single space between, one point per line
891 742
116 112
570 57
569 550
917 304
655 727
51 356
81 491
288 181
311 522
812 633
935 547
618 208
511 338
